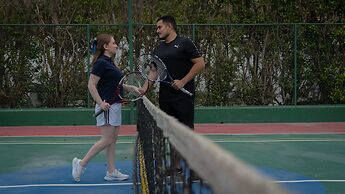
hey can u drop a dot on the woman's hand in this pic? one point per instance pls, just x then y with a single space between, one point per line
105 105
135 90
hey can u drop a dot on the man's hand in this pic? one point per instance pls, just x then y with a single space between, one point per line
178 84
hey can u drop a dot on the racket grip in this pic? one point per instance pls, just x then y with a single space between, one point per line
98 113
186 92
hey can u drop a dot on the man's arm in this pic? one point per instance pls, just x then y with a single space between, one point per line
198 67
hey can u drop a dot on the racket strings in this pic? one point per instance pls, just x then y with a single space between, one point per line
153 69
133 84
161 72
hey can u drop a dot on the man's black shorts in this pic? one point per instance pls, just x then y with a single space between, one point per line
182 110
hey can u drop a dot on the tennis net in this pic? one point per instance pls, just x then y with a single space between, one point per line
171 158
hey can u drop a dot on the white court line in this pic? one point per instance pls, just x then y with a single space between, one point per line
279 140
59 136
64 185
208 134
268 134
57 143
129 184
215 141
310 181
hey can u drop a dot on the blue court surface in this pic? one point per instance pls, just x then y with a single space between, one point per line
58 180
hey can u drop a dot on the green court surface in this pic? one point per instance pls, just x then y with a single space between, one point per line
19 152
302 162
317 157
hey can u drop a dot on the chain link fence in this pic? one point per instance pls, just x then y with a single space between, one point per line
246 64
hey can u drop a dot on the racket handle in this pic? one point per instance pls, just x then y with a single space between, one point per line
98 113
186 92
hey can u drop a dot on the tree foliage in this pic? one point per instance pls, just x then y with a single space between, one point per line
249 62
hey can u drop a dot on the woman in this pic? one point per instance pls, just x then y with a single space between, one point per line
102 85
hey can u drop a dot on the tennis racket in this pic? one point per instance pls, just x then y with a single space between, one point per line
131 88
153 69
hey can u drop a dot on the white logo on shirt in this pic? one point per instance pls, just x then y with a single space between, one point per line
176 45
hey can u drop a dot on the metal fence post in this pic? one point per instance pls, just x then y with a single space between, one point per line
88 59
295 64
130 51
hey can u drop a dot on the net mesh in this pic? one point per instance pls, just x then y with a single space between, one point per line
203 166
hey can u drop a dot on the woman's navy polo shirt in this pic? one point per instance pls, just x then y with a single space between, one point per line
110 76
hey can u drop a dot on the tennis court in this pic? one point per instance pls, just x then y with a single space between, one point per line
304 157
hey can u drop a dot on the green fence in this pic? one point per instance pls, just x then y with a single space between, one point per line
247 64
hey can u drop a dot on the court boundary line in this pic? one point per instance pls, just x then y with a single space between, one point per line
214 141
200 133
131 135
56 143
312 181
64 185
279 140
258 134
127 184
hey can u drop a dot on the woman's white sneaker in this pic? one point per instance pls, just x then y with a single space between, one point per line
77 169
115 176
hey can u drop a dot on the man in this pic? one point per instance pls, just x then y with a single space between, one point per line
184 62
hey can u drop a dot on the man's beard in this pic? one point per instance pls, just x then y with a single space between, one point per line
163 37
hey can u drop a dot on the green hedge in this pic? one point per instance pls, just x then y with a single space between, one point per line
82 116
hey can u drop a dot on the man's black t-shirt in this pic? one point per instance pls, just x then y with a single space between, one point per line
177 57
110 77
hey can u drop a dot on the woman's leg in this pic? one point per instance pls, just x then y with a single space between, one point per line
110 151
112 173
107 138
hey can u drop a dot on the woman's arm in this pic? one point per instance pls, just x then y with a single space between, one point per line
92 86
